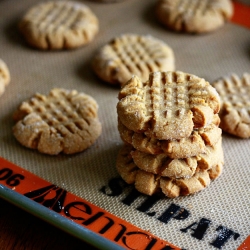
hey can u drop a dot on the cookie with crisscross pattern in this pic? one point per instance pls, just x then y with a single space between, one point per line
59 25
235 109
131 54
63 121
194 16
168 106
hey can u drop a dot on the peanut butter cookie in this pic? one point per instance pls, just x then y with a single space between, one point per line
235 110
64 121
132 54
194 16
168 106
57 25
183 148
178 167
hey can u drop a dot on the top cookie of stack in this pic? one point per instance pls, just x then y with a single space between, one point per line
169 105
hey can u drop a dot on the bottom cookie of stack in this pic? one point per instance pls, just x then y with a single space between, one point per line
150 183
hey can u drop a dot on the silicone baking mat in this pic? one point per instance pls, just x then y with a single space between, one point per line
85 187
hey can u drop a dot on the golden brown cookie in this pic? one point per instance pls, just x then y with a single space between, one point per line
132 54
193 145
179 167
4 76
149 183
63 121
168 106
125 164
59 25
194 16
235 109
181 187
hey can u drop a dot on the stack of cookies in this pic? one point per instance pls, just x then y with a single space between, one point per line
169 124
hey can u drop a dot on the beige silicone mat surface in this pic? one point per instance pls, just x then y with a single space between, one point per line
225 203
